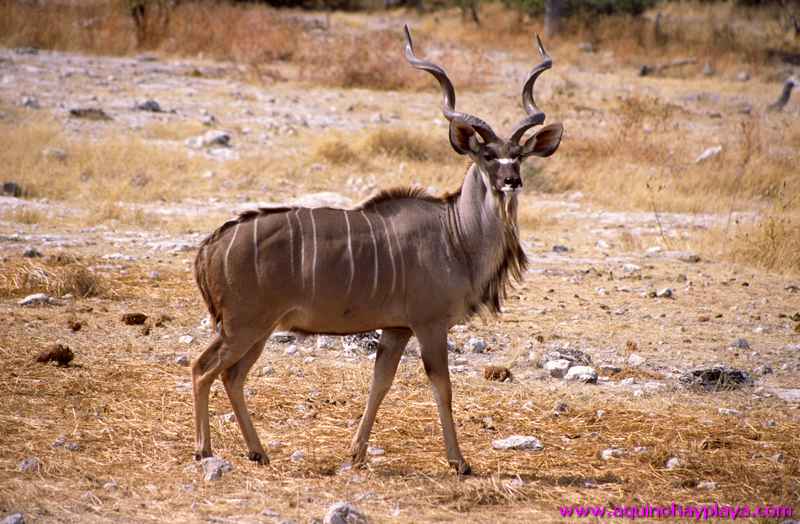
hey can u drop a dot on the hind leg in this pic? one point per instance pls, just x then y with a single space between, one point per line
221 353
233 378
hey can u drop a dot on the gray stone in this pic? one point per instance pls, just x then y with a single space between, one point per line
297 456
210 138
729 412
476 345
30 102
186 339
364 343
14 518
763 370
228 418
344 513
558 248
518 442
214 467
266 371
609 369
575 356
673 462
183 360
149 105
708 69
557 368
12 189
631 268
32 252
664 293
325 342
283 337
30 465
740 343
585 374
291 350
375 451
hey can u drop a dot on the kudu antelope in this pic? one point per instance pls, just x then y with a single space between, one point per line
402 261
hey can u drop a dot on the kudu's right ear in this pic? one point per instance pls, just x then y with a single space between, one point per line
544 142
463 137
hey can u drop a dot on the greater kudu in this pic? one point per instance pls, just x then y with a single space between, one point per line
403 261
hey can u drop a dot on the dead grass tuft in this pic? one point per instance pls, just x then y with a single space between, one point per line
57 279
406 144
335 150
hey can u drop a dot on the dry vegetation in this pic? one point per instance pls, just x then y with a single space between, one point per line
630 146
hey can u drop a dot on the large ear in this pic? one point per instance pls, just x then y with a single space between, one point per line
462 137
544 142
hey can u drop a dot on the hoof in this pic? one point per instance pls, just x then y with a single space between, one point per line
462 468
261 458
358 455
200 455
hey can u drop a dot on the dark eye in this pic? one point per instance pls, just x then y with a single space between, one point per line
489 156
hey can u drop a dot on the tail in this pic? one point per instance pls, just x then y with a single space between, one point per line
200 275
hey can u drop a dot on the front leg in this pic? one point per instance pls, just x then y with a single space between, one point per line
433 342
390 349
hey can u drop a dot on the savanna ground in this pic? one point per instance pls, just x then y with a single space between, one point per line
117 206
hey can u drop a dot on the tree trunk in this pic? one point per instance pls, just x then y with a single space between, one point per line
553 10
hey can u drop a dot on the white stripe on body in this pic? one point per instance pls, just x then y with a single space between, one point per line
375 254
302 250
255 252
225 264
350 255
313 255
391 252
291 241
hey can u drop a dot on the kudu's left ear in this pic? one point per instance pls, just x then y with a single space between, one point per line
463 137
544 142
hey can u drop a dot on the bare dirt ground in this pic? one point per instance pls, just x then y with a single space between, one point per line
125 401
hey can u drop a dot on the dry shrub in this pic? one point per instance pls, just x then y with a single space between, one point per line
51 277
772 243
406 144
335 150
25 215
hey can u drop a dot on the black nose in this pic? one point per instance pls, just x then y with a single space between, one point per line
514 182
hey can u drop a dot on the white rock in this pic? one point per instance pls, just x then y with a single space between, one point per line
557 368
635 360
266 371
518 442
707 484
291 350
228 418
608 454
664 293
602 244
631 268
709 153
673 462
183 360
186 339
582 373
344 513
308 360
476 345
37 299
325 342
729 412
600 413
297 456
788 395
210 138
214 467
375 451
14 518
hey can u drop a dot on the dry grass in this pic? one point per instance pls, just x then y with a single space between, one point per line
106 170
53 277
25 215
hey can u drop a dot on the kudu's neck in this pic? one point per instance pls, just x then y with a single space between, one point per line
486 224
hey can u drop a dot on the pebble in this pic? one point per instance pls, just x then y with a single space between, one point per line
30 102
740 343
673 462
664 293
297 456
14 518
186 339
32 252
325 342
228 418
149 105
635 360
585 374
711 152
344 513
631 268
37 299
560 249
557 368
29 465
266 371
210 138
291 350
282 337
729 412
518 442
54 153
214 467
375 451
608 454
763 370
707 484
183 360
476 345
